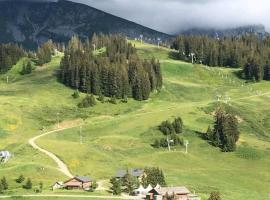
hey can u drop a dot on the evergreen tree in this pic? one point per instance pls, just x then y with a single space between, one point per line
130 183
1 188
40 187
4 183
214 196
153 177
27 68
118 72
116 186
225 133
178 125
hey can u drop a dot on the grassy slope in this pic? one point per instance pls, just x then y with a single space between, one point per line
119 136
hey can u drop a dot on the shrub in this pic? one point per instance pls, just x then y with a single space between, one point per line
101 98
113 100
28 185
214 196
88 101
20 179
76 94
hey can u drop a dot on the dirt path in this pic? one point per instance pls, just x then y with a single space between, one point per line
62 167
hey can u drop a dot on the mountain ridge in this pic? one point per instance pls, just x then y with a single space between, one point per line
30 23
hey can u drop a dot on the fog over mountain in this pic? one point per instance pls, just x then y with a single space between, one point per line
173 16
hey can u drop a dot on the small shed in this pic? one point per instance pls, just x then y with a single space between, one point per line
57 185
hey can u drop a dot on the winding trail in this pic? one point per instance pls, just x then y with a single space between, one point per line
62 167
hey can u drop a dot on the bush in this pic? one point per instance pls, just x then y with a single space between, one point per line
88 101
124 100
113 100
101 98
28 185
156 143
20 179
27 68
76 94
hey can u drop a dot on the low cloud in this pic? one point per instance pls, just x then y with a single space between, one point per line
172 16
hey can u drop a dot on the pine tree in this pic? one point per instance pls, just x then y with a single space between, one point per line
116 186
1 188
178 125
4 183
130 183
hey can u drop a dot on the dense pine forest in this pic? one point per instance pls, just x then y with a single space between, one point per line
9 55
248 52
109 66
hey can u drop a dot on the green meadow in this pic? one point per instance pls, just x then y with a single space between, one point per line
120 136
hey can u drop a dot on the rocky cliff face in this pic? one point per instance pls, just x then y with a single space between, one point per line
31 23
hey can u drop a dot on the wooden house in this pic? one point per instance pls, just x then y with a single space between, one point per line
78 182
180 193
138 173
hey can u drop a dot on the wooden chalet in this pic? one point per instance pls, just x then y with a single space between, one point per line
180 193
138 173
78 182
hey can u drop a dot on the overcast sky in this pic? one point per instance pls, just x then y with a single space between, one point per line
173 15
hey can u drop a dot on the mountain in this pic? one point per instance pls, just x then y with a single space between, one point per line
31 23
258 30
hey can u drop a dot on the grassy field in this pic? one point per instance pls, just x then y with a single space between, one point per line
120 136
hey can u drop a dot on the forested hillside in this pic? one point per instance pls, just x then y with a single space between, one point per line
249 52
9 55
115 70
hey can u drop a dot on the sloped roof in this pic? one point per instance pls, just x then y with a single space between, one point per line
83 179
172 190
133 172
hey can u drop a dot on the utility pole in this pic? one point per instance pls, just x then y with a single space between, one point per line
192 57
168 142
186 144
159 42
141 36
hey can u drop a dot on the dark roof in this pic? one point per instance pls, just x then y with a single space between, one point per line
83 179
170 190
133 172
